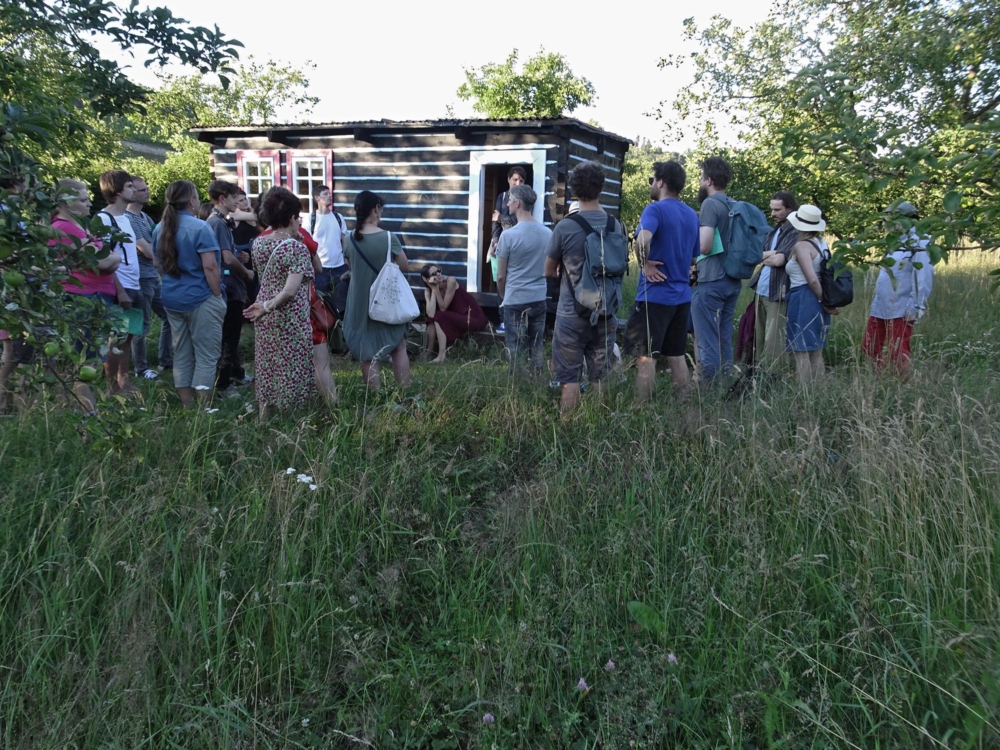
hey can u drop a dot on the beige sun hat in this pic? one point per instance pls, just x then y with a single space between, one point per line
807 219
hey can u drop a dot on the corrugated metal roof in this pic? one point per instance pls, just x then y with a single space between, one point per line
445 124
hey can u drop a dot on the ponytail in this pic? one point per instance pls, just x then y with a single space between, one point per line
177 199
365 202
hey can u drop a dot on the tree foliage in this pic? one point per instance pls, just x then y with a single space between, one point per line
543 87
55 88
857 105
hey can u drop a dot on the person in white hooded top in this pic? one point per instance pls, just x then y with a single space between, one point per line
901 293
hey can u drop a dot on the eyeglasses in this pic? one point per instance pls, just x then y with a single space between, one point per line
436 273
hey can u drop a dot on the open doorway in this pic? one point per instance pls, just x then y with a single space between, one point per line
495 182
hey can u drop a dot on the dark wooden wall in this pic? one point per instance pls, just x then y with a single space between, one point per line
426 190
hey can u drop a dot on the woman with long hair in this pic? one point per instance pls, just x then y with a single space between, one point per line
192 291
283 342
369 340
451 311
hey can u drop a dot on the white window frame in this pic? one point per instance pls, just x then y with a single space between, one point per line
477 176
275 178
293 177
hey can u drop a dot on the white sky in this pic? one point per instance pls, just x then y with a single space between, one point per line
404 60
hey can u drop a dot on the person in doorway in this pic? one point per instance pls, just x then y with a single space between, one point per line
713 301
771 286
328 228
369 340
901 294
667 241
808 320
521 279
191 261
575 339
235 278
149 283
118 190
503 219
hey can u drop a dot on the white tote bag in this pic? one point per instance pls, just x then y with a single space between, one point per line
390 299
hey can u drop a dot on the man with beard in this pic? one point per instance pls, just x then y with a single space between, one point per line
667 242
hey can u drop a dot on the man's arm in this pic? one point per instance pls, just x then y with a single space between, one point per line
144 247
650 268
551 268
707 237
502 276
234 265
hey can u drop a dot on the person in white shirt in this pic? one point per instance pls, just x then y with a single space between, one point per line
118 191
901 294
327 227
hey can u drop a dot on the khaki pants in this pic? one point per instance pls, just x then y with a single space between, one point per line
197 343
770 335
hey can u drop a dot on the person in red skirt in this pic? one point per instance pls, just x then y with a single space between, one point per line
901 294
451 311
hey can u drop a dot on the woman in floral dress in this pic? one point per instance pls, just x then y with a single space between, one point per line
283 349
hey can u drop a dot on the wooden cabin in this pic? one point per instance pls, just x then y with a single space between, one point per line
439 178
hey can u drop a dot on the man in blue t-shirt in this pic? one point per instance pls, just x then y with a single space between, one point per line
667 244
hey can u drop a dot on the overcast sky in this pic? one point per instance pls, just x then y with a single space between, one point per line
404 60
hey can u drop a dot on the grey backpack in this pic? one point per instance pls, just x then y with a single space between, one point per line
605 261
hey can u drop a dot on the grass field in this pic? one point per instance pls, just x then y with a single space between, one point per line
814 568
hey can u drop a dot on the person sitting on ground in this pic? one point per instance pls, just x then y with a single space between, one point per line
191 261
283 348
521 279
667 242
452 313
118 190
808 320
574 338
901 294
370 340
99 285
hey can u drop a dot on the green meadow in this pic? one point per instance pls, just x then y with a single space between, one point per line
795 568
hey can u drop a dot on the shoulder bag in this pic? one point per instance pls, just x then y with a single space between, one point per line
390 299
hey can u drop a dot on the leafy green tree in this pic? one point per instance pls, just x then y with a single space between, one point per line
54 86
858 105
544 87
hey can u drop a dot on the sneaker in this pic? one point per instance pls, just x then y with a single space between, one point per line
500 328
247 379
149 374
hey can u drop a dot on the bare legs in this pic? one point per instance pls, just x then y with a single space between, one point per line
645 379
324 378
436 334
400 368
8 364
809 366
570 398
117 367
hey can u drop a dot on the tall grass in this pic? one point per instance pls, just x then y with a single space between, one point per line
822 565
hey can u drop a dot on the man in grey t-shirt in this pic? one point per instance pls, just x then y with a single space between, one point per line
149 284
574 338
521 278
713 301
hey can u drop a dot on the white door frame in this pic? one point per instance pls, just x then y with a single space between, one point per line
477 160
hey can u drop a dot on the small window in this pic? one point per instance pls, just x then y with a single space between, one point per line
307 174
258 176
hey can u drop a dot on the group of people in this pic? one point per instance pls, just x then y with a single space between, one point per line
205 270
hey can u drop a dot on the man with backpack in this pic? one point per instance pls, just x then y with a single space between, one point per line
732 241
667 241
591 248
327 227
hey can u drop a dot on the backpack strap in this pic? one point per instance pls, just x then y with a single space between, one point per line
822 255
339 221
117 229
312 223
363 257
583 223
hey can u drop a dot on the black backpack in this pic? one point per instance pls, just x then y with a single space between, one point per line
312 222
836 279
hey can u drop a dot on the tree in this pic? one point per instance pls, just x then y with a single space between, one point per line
54 86
857 105
544 87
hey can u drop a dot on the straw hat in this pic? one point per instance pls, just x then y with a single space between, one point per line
807 219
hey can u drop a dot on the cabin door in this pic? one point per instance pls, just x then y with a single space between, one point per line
487 180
